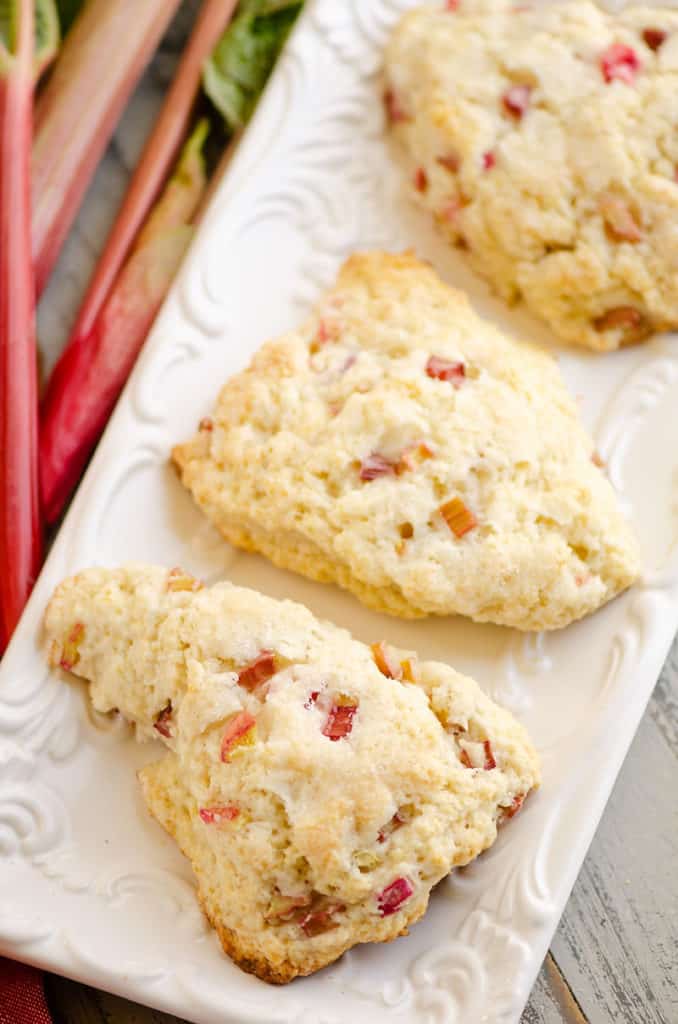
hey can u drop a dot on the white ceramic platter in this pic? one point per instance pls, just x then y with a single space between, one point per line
89 885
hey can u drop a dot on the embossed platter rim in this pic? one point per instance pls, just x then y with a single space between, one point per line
89 886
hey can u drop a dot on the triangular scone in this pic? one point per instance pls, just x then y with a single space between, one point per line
404 448
544 139
318 798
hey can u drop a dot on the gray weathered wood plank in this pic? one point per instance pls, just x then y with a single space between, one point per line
617 943
552 1001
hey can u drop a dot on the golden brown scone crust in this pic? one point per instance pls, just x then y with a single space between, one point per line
543 138
280 466
303 792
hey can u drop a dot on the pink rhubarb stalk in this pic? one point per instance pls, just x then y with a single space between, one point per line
157 158
92 371
20 535
102 59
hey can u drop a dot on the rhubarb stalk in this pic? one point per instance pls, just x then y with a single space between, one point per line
157 158
20 538
93 369
101 61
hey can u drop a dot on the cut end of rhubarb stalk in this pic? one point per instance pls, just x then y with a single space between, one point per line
240 732
394 896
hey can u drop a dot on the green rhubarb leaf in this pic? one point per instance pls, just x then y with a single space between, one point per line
235 74
68 12
47 35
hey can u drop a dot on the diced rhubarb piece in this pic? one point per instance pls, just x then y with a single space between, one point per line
490 762
240 731
349 362
178 580
219 814
465 759
374 466
513 808
446 369
163 722
516 100
339 721
410 668
620 223
452 5
450 161
412 455
258 671
313 912
625 318
451 210
319 921
653 37
328 330
420 179
284 908
396 112
478 755
396 822
458 516
312 698
70 654
206 424
620 63
489 160
386 661
391 899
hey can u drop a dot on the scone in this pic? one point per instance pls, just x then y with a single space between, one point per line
544 139
320 788
402 447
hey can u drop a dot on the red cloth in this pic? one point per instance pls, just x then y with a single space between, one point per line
22 995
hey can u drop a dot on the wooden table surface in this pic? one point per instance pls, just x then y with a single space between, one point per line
615 955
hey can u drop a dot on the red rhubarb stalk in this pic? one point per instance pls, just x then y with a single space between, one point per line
157 159
20 539
92 370
103 57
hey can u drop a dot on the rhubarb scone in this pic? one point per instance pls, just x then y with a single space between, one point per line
319 787
544 139
402 447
